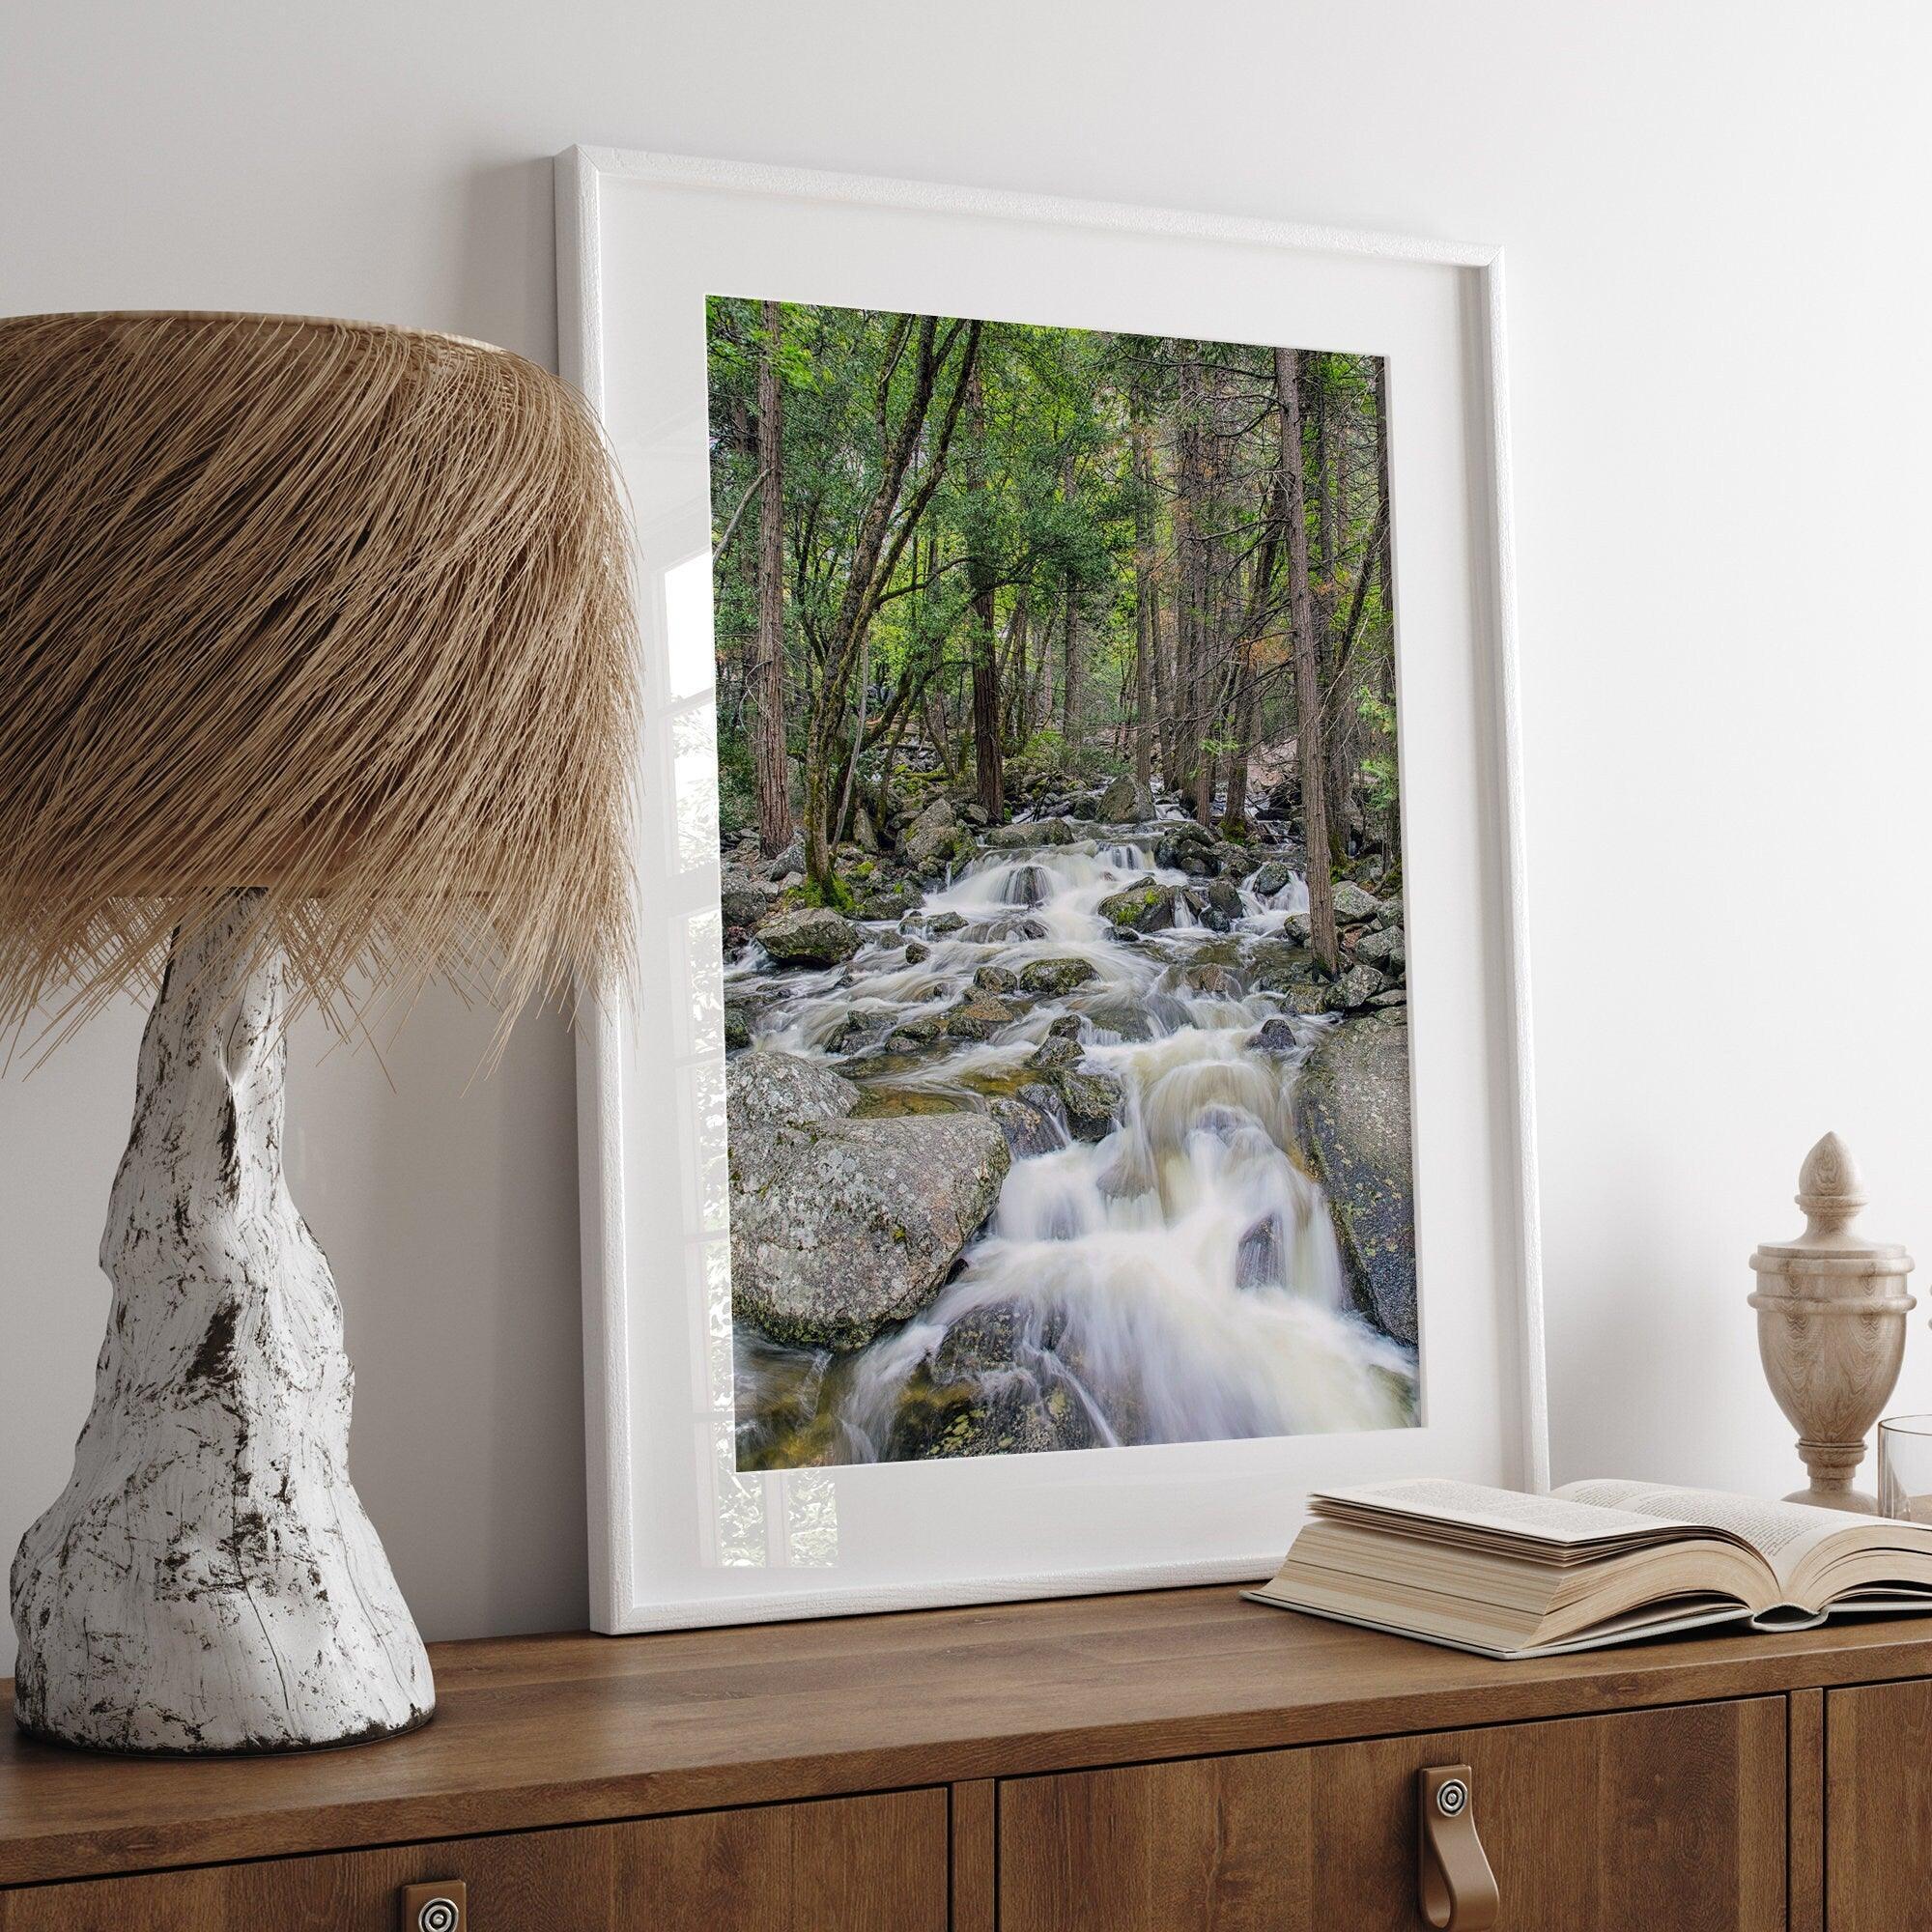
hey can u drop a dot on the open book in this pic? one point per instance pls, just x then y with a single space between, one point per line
1593 1563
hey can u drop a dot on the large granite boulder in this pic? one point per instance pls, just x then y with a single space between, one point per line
1124 803
1055 978
931 849
1037 833
860 1222
1353 1125
772 1102
1353 905
1142 907
812 936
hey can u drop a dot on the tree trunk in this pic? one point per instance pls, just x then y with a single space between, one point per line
208 1580
1188 542
1307 676
1147 599
988 770
769 751
1070 722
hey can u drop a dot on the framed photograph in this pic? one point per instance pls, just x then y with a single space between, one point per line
1077 1098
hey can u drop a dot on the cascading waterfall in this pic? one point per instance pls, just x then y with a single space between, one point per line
1178 1280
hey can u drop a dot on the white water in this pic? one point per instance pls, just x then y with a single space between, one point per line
1181 1277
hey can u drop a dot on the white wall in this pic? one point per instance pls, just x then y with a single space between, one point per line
1718 297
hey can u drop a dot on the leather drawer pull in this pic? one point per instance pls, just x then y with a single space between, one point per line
1453 1884
441 1907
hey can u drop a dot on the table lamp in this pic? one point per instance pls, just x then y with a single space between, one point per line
318 681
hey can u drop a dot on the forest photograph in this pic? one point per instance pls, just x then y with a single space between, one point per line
1065 993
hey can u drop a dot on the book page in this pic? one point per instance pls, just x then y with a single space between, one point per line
1783 1533
1560 1519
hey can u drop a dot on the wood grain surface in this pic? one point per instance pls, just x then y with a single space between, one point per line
569 1730
1878 1808
1657 1819
850 1864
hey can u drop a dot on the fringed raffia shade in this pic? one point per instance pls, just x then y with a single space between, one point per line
337 611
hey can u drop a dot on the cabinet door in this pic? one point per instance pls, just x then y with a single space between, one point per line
851 1864
1670 1821
1878 1807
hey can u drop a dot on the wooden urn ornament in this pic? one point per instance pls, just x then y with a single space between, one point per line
317 680
1831 1327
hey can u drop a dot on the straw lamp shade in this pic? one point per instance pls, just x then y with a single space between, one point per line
317 680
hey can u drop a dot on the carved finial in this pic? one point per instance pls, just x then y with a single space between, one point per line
1829 1189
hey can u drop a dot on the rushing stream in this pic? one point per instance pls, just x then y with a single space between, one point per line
1177 1279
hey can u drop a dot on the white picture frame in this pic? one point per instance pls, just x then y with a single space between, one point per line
677 1537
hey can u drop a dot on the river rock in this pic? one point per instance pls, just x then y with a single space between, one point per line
812 936
1273 1036
1187 847
1004 928
1091 1101
889 903
932 850
1219 983
1384 948
938 816
1353 1127
991 1388
1217 906
1056 1052
1353 906
1064 1026
996 980
1358 985
981 1014
1275 965
744 901
1040 831
1028 1128
945 922
1124 803
791 860
1028 886
1298 927
1142 907
861 1225
916 950
1054 978
1021 1413
772 1102
737 1029
1271 878
1396 996
920 1030
1261 1260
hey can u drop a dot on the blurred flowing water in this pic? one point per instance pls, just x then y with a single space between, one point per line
1179 1280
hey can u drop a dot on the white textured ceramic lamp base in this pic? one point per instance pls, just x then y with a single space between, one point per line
208 1580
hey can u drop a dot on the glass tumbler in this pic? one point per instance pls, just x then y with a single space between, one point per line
1905 1468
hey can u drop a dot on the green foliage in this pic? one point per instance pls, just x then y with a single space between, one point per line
1058 492
834 893
737 783
1379 765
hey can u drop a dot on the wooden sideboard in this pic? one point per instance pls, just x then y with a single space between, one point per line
1169 1762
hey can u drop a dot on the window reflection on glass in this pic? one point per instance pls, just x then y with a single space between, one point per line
811 1518
694 736
687 648
738 1504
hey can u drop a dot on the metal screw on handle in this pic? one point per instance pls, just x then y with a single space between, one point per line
1454 1887
440 1907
